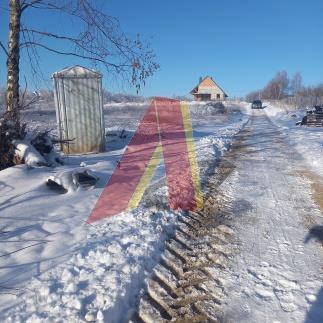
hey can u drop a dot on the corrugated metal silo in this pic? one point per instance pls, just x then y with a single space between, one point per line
79 110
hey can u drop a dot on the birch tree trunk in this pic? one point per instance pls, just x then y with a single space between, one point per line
13 60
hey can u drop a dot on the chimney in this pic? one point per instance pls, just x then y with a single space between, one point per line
200 79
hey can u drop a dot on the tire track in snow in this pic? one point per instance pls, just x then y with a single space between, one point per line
279 281
186 285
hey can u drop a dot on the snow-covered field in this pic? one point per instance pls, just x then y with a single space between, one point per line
308 141
55 266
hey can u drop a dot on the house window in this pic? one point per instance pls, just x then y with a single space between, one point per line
206 97
218 96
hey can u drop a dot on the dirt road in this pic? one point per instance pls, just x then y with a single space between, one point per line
254 254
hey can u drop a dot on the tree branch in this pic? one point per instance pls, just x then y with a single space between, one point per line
79 43
101 40
4 48
25 4
117 67
43 33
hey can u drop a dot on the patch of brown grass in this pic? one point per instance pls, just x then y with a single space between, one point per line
316 186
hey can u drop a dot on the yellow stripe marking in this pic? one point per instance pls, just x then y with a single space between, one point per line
146 177
192 154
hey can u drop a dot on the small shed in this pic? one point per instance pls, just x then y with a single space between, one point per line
208 90
79 110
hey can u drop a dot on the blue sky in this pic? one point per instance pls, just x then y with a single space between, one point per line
242 44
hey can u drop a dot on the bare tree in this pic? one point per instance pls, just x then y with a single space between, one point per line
271 91
2 99
254 95
281 81
13 57
100 40
296 83
277 88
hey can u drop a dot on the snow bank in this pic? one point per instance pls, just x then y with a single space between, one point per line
213 108
273 111
70 179
103 279
308 141
126 104
29 154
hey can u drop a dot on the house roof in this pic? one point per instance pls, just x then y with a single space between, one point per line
212 83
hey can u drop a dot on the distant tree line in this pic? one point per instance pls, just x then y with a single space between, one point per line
46 97
109 97
290 90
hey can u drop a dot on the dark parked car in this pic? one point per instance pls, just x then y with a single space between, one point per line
256 104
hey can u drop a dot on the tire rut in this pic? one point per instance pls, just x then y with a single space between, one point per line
185 285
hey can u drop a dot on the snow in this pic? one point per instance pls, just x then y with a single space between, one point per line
29 154
56 267
308 141
68 179
276 273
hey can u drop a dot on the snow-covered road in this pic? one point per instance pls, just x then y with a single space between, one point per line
276 275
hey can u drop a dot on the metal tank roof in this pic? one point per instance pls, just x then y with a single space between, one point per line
77 71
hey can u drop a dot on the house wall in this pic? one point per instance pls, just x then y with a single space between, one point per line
201 97
213 91
214 96
208 86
